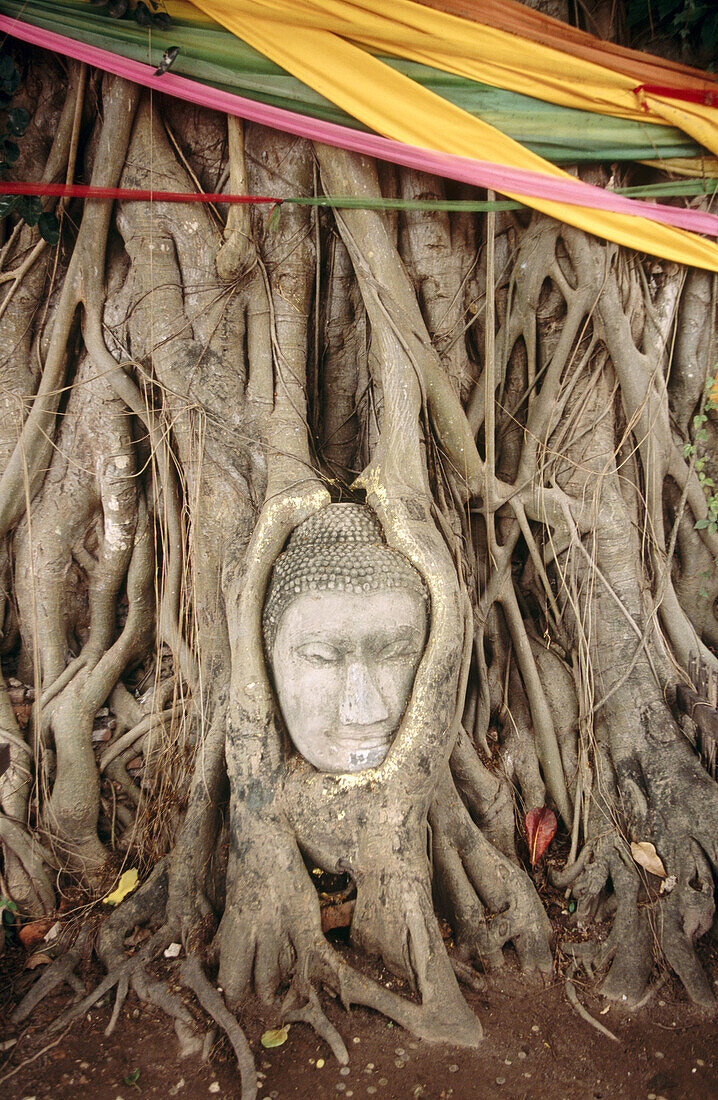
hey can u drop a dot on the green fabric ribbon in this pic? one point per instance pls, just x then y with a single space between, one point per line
214 56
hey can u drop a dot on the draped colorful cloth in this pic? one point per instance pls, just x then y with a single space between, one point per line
326 44
213 55
408 72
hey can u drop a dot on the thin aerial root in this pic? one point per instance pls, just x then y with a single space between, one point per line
311 1013
122 989
584 1013
468 976
194 978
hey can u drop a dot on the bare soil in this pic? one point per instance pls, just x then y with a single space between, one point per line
535 1045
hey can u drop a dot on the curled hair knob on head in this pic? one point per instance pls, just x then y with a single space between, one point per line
338 549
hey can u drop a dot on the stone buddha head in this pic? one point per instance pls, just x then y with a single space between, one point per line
345 625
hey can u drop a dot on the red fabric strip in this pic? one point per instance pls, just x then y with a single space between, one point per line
706 98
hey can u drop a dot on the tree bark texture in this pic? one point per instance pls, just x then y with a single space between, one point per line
182 386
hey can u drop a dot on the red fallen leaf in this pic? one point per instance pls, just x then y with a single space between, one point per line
541 828
35 931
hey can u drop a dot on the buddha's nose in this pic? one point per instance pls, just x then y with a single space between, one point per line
362 705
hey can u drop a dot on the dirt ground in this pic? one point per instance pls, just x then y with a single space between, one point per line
535 1045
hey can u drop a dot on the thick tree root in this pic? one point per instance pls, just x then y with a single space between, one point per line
311 1013
147 952
194 978
59 971
471 873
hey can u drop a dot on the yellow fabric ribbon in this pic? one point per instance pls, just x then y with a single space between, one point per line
324 43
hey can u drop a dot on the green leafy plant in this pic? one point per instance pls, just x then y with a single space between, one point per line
151 13
16 120
8 913
694 22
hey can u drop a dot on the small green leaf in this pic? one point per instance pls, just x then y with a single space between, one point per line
30 208
17 121
701 524
7 204
11 82
49 227
276 1037
132 1077
274 217
572 907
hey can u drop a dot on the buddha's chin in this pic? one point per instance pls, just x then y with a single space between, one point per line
353 752
370 757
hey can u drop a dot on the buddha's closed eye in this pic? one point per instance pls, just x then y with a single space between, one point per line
319 654
399 649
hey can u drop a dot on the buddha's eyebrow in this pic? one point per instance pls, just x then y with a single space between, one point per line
401 633
321 637
338 640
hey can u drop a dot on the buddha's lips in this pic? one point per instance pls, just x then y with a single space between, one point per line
361 738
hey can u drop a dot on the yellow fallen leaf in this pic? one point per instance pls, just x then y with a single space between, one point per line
646 856
128 882
276 1036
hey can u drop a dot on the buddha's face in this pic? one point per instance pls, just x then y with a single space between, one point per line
344 666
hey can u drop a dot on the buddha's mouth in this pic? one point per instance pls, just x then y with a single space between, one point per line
365 737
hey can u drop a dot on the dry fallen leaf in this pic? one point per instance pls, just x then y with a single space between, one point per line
276 1037
35 931
22 714
128 882
647 857
38 959
337 916
54 932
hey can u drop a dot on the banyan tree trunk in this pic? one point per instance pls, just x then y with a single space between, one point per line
183 387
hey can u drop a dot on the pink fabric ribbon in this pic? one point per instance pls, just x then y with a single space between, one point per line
512 181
